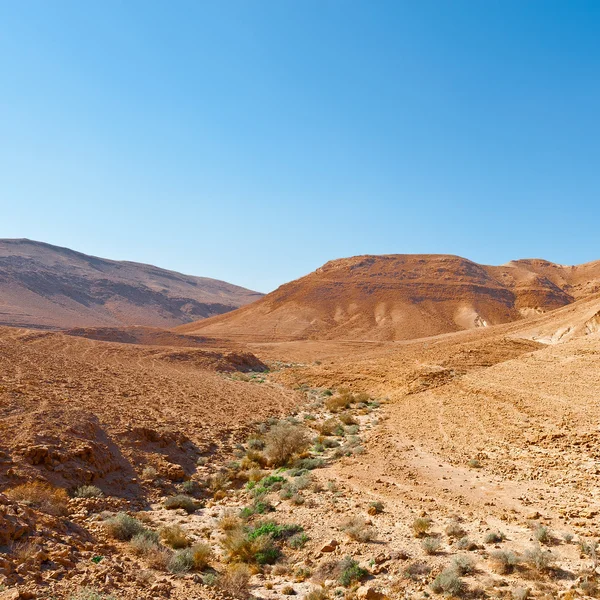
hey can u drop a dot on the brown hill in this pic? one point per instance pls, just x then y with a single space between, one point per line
397 297
74 410
45 286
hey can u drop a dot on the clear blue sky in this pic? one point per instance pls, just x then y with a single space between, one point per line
252 141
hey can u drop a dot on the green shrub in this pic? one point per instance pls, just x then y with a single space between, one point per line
182 561
350 572
538 559
494 537
274 530
181 501
298 541
431 545
123 527
257 508
463 565
448 582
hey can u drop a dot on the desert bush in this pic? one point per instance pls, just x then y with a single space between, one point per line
375 508
174 536
308 464
202 554
347 418
219 482
298 499
229 521
589 548
288 590
234 581
149 473
455 531
538 559
504 561
123 527
190 486
466 544
463 565
144 542
520 593
181 501
448 582
494 537
431 545
240 547
568 537
357 529
90 594
159 558
298 541
475 464
542 534
255 443
42 496
274 530
416 569
181 561
350 572
319 593
421 526
258 507
283 441
331 426
88 491
336 404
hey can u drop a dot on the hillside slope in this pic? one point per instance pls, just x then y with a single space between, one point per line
50 287
398 297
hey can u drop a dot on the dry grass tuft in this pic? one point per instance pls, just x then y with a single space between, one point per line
42 496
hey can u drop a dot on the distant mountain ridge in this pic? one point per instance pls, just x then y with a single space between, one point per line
46 286
400 297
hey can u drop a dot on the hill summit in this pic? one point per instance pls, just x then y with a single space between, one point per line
399 297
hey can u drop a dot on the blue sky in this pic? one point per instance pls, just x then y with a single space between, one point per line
253 141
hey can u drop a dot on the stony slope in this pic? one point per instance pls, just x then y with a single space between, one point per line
50 287
398 297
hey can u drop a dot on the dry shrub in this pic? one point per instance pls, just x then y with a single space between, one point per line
503 562
320 593
448 582
357 529
229 521
455 531
538 559
142 545
174 536
23 551
420 526
42 496
88 491
219 483
240 548
331 427
336 404
234 581
159 558
348 419
283 441
201 556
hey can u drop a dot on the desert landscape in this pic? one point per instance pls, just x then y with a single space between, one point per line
396 426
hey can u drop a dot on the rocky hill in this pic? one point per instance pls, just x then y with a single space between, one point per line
48 287
398 297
